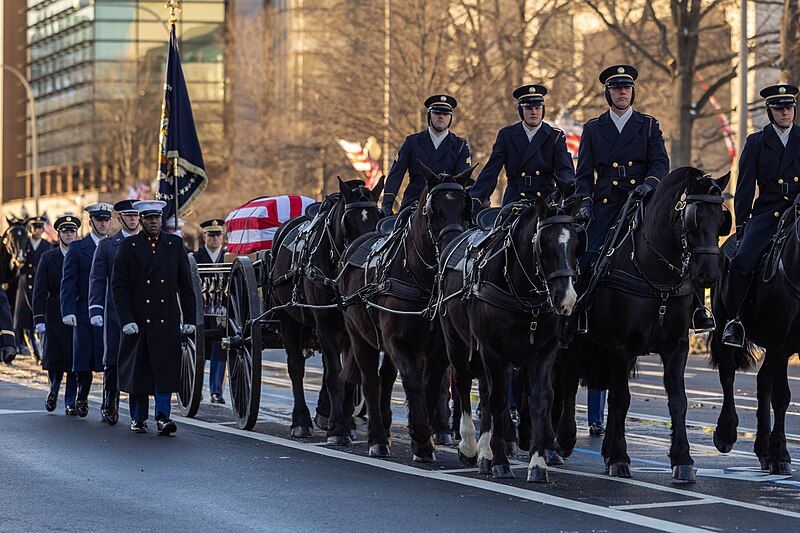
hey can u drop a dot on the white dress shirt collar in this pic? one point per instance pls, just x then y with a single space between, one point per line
530 132
783 135
436 137
620 121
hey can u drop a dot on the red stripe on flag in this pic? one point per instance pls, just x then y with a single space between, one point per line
236 224
295 206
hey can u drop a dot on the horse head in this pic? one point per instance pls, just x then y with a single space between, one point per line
15 241
446 205
357 210
557 244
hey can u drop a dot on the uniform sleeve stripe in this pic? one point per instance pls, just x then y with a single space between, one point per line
95 306
6 332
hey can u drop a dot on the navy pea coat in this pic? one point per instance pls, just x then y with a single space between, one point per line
7 337
452 157
87 341
23 315
101 301
532 167
216 352
776 170
611 164
148 281
57 354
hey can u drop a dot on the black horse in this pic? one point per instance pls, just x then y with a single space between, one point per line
503 292
392 290
304 288
771 316
640 300
12 257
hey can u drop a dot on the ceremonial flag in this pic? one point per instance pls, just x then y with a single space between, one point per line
362 160
177 142
252 227
573 131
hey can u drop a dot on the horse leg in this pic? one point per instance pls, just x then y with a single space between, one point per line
674 368
764 427
485 454
615 448
418 427
566 429
292 335
388 375
367 358
725 433
331 341
437 394
779 460
455 424
497 371
540 397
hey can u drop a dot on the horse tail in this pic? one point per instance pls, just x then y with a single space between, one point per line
739 358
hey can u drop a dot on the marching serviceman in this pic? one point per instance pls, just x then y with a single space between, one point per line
151 274
436 147
770 159
533 153
57 353
23 316
102 313
8 341
87 342
213 252
621 151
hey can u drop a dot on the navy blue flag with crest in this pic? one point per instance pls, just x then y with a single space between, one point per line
177 142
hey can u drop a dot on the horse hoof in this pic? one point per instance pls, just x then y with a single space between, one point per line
683 473
353 435
301 432
322 422
379 450
552 458
338 440
502 472
443 439
538 474
467 461
764 463
485 466
781 468
424 458
512 450
721 445
619 470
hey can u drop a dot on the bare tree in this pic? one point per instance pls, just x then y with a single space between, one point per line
790 41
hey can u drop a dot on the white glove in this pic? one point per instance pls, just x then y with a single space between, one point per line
97 321
188 329
70 320
130 329
40 328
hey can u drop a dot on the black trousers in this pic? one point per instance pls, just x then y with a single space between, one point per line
84 384
110 389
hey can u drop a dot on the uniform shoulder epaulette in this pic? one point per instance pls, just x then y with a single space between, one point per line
591 121
556 129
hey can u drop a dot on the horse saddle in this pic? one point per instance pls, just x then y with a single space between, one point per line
772 258
362 256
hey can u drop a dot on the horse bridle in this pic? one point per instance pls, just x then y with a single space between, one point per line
447 186
688 212
554 220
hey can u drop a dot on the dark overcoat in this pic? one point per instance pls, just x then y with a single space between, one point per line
611 164
101 301
23 315
532 167
148 282
87 341
776 170
452 157
7 337
47 310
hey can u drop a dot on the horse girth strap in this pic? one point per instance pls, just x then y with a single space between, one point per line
630 284
402 290
497 297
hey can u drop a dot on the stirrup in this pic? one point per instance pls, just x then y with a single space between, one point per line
583 323
734 335
703 320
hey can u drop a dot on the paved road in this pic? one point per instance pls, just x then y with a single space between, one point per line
76 474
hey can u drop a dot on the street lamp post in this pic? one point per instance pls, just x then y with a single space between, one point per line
34 138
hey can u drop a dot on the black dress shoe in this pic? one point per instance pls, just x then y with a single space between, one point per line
166 427
110 417
703 321
138 426
82 406
70 410
50 402
733 334
217 398
596 429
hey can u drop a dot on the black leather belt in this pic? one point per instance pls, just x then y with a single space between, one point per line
623 171
529 181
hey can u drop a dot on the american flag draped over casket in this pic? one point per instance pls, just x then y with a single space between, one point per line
252 226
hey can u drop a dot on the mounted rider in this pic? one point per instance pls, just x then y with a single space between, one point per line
436 147
771 160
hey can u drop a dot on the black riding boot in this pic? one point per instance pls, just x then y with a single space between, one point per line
738 283
702 319
110 408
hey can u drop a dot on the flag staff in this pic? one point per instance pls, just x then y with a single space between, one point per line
174 7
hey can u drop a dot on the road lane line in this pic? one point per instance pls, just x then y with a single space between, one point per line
18 411
659 505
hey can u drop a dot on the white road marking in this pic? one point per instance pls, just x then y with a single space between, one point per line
659 505
18 411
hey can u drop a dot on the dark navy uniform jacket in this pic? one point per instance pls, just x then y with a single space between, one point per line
101 301
47 310
452 157
776 170
23 316
7 337
531 166
87 341
611 164
202 256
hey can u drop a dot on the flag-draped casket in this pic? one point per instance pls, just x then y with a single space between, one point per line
252 227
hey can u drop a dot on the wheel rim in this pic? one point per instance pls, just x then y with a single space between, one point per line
193 355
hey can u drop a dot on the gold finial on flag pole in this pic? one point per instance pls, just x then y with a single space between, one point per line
174 7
